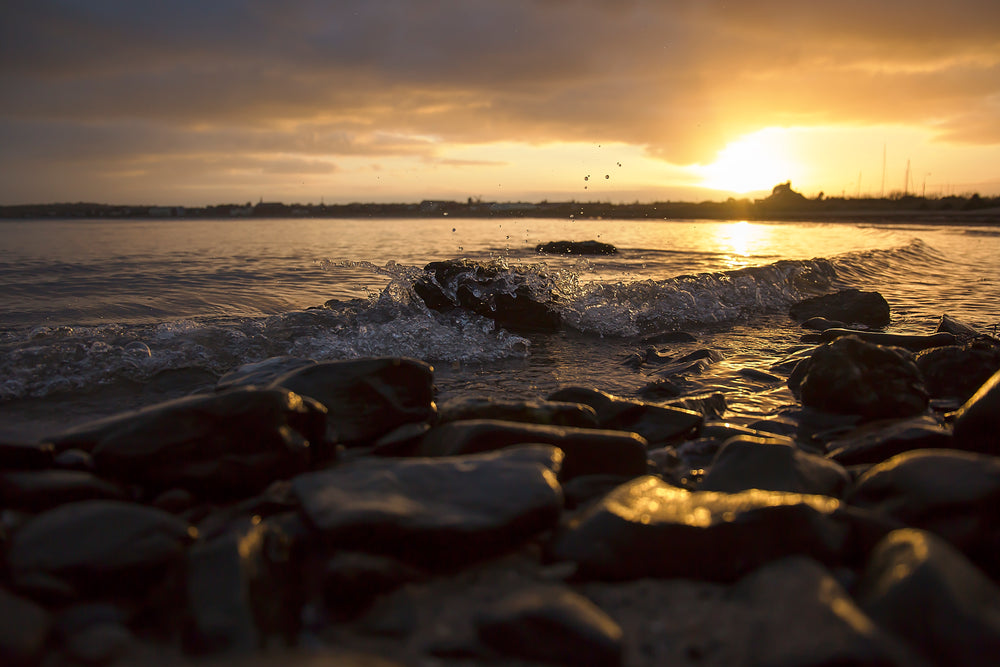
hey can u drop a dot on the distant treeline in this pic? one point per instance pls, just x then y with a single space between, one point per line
783 204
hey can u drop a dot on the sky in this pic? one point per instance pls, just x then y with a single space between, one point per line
187 102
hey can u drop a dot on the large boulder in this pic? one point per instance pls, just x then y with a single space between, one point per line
854 377
852 306
977 422
747 462
232 443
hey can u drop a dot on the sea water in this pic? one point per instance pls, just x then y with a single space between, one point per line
102 315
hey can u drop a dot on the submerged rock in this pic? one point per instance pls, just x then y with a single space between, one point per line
576 248
366 398
854 377
913 342
747 462
855 306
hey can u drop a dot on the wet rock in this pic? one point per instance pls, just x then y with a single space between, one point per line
576 248
96 547
755 375
855 306
581 490
647 528
366 398
910 342
549 413
957 328
953 494
352 580
711 406
650 355
822 324
233 443
551 625
587 451
656 423
241 589
878 441
437 513
977 422
801 615
99 644
24 630
74 459
659 390
853 377
957 371
15 456
668 338
488 292
36 491
925 592
746 462
261 373
175 501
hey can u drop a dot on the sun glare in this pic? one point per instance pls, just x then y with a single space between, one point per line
756 161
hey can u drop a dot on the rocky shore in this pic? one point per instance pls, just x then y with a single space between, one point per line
304 513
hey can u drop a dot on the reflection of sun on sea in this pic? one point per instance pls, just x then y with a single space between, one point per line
755 162
739 240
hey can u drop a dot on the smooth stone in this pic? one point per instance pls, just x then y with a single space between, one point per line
576 248
868 308
949 324
99 644
232 443
721 430
581 490
878 441
352 580
647 528
822 324
658 424
16 456
548 413
36 491
800 615
660 390
24 630
747 462
977 422
552 625
400 441
854 377
924 591
669 338
910 342
437 513
588 450
366 398
74 459
755 375
958 371
261 373
98 547
710 406
953 494
175 501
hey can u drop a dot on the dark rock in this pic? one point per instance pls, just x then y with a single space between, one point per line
851 376
953 494
822 324
925 592
175 501
746 462
646 528
488 292
977 422
14 456
910 342
875 442
401 441
669 337
801 616
755 375
24 630
261 373
656 423
960 329
658 390
551 625
366 398
235 442
74 459
241 589
855 306
711 406
352 580
99 644
588 451
576 248
97 547
581 490
438 513
721 430
549 413
957 371
36 491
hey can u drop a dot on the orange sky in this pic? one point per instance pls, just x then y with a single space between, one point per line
192 102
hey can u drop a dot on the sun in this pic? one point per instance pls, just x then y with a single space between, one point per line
754 162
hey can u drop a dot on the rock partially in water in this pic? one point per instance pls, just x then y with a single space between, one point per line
854 377
747 462
438 513
36 491
97 548
822 324
913 342
588 451
551 625
576 248
647 528
366 398
658 424
548 413
957 371
963 331
924 591
232 443
878 441
854 306
261 373
977 422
